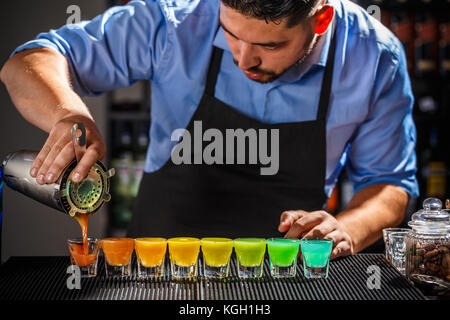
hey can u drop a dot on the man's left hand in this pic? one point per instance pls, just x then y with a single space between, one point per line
316 225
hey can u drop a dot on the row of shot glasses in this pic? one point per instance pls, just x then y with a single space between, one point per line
184 253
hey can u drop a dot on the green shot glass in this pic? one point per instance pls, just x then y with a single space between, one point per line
316 257
250 257
283 257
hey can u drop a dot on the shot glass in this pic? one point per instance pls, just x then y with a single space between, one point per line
250 257
150 253
118 253
397 250
183 252
283 257
316 257
386 232
216 257
85 256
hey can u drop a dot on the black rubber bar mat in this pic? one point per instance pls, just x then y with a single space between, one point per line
350 278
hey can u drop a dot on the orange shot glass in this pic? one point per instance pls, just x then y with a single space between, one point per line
150 253
84 256
118 253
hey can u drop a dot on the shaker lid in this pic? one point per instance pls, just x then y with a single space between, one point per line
432 216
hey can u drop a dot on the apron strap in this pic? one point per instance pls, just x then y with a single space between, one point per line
213 71
214 68
325 92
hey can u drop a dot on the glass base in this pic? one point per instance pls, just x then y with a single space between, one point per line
399 262
315 272
211 272
86 271
118 271
154 272
183 272
283 272
252 272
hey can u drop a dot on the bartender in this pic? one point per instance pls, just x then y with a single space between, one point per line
320 84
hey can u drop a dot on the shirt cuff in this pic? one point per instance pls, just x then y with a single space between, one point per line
409 184
37 43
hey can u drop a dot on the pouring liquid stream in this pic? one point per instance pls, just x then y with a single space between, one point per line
83 257
78 133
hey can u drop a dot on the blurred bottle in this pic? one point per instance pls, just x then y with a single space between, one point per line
444 43
121 187
139 159
333 200
434 171
402 25
426 42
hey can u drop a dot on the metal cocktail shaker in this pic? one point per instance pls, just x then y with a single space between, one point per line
68 197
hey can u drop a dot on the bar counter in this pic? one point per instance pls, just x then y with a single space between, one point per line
350 278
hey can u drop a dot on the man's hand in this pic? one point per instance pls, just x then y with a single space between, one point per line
316 225
38 82
58 152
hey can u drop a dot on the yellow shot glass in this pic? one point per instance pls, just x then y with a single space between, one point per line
216 257
183 252
150 253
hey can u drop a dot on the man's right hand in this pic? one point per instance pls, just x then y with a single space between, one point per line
38 82
58 152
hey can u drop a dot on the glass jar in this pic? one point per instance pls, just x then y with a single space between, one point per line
428 245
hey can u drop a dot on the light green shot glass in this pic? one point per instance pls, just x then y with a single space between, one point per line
250 257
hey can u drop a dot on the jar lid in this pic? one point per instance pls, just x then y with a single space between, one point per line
431 218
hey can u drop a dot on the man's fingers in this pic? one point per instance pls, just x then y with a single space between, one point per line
44 176
321 230
343 248
287 219
42 155
86 163
337 236
64 158
303 225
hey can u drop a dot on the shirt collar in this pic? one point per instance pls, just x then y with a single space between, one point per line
317 57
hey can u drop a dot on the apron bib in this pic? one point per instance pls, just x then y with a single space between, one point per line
235 200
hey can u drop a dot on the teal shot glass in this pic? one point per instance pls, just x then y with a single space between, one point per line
316 257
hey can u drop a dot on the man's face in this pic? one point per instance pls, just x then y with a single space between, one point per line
264 50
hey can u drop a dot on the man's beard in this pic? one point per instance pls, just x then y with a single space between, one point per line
309 45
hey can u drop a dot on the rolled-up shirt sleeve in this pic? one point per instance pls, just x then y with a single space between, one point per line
383 149
117 48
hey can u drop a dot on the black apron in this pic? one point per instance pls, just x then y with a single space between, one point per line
235 200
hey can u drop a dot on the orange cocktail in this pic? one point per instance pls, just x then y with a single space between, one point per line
117 253
84 255
150 254
150 251
83 220
118 250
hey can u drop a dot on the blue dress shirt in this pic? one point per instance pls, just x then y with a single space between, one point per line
369 125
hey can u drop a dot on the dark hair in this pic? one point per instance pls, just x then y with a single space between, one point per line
295 11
